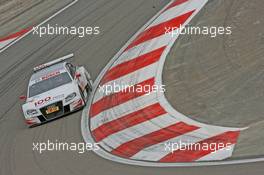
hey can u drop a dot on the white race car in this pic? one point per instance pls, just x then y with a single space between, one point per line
56 88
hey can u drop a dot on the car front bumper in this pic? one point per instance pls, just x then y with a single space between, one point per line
63 110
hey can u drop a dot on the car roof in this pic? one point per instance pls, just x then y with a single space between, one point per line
48 70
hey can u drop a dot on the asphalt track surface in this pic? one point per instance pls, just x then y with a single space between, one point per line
219 80
118 20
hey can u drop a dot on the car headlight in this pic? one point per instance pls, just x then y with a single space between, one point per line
32 112
70 97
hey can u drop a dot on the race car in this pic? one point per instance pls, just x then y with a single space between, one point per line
56 88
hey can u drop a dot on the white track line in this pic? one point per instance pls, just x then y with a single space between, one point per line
46 20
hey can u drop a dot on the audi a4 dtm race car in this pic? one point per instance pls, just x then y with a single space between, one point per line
56 88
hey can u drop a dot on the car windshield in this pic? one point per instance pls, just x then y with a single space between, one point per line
48 84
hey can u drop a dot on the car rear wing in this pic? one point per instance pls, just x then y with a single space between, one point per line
58 60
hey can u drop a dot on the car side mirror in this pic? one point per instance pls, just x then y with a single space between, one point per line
77 75
23 97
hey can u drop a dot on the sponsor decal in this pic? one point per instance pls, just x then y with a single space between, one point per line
48 99
53 74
